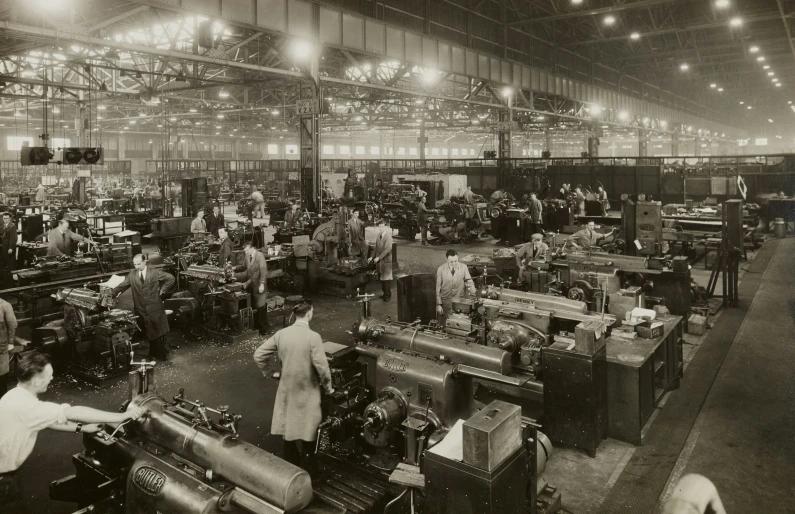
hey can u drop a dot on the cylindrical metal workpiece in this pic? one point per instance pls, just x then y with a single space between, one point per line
436 345
252 469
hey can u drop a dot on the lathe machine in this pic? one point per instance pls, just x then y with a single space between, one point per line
379 443
542 349
213 304
93 341
176 459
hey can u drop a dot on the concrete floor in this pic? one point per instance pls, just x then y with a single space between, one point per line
219 374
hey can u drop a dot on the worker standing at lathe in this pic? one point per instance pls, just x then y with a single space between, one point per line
358 242
60 239
382 257
255 279
305 369
422 220
452 280
23 416
150 286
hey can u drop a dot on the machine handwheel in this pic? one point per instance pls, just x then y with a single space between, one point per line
576 293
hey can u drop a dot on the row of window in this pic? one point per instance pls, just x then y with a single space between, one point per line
400 150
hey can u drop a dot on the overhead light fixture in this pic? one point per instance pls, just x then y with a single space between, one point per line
684 66
223 93
112 55
576 2
623 115
141 114
721 4
173 118
749 107
103 87
301 49
275 112
713 85
742 103
219 116
769 120
790 102
775 80
736 22
720 90
778 84
761 58
754 49
192 109
132 122
55 110
507 92
609 20
634 36
596 110
771 73
150 141
101 107
180 77
766 67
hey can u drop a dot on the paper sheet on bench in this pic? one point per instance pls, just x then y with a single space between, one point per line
113 281
452 446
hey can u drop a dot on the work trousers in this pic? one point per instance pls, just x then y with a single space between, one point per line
386 287
423 225
7 265
11 494
301 454
258 210
5 381
262 320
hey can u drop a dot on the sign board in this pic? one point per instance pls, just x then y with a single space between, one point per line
306 107
293 175
505 126
84 173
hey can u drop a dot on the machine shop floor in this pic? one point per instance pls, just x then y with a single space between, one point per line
218 374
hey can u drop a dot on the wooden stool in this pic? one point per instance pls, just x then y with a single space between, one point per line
409 477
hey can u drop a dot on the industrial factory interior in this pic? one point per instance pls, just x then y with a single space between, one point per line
397 256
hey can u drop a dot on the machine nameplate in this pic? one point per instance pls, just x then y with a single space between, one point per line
425 393
396 365
149 480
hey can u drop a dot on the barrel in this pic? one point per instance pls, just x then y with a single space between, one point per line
780 228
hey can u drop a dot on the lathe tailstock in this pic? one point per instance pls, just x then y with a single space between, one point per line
177 460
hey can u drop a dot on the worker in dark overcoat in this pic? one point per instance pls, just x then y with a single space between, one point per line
255 278
150 286
305 369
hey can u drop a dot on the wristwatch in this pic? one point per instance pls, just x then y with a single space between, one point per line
78 428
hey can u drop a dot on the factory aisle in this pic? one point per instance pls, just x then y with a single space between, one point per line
737 430
744 439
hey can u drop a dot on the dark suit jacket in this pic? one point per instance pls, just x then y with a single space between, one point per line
213 223
8 237
226 250
255 274
60 245
146 299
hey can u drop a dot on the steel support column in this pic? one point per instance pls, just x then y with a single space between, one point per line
675 144
309 128
505 140
593 141
422 140
643 143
